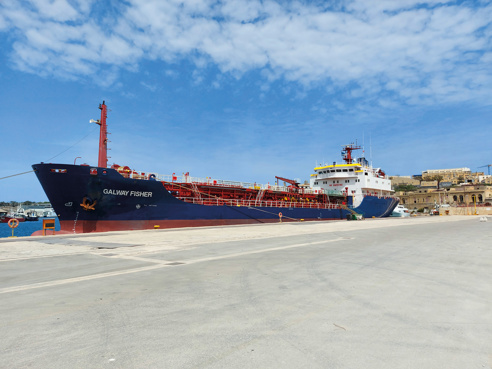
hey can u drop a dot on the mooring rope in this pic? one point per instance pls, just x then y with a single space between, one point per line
76 143
83 138
18 174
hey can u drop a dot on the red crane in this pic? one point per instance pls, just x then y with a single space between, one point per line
291 181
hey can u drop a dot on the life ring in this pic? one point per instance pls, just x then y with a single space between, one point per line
87 205
280 215
13 223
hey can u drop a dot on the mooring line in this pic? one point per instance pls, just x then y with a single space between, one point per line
18 174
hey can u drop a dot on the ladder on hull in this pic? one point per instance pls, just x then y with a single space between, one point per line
259 197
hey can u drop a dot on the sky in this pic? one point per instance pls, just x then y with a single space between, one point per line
244 90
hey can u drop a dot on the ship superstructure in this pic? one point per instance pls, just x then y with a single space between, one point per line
354 178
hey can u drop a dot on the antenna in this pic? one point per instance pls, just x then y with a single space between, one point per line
370 148
363 147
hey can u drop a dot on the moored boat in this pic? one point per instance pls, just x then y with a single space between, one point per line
400 211
6 218
95 199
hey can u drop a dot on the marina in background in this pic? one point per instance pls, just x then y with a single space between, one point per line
25 229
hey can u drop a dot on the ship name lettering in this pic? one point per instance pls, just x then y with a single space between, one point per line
141 194
108 191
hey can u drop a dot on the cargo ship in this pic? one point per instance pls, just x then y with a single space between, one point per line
101 198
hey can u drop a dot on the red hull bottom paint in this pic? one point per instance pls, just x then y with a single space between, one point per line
67 227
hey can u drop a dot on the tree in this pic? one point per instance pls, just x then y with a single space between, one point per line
438 178
405 187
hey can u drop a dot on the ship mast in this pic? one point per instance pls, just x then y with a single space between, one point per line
102 161
347 152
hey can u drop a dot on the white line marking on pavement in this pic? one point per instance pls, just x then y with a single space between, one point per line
157 265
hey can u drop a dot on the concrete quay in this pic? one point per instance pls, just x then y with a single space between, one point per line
378 293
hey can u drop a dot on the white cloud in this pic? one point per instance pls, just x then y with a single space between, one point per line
422 51
148 86
59 10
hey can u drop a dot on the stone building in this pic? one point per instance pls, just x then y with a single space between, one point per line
464 195
455 175
404 180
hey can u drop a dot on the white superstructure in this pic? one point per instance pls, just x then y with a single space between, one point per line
354 178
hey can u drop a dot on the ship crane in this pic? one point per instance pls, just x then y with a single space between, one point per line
488 165
292 183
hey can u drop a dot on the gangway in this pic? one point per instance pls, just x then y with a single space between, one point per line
355 215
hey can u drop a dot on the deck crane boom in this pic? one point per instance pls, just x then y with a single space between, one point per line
290 181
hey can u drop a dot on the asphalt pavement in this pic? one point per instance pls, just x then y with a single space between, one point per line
377 293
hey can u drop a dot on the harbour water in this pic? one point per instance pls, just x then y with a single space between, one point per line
25 228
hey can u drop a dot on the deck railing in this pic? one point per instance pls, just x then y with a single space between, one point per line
254 203
225 183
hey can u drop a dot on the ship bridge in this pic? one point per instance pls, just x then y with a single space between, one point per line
356 179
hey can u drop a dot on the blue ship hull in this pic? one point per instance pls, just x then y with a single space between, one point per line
88 199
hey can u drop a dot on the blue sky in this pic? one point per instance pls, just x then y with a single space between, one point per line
244 89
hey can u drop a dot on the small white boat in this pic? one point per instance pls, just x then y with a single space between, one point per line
400 211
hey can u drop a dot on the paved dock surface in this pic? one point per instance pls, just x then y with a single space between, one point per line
381 293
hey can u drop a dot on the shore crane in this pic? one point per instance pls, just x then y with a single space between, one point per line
488 169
